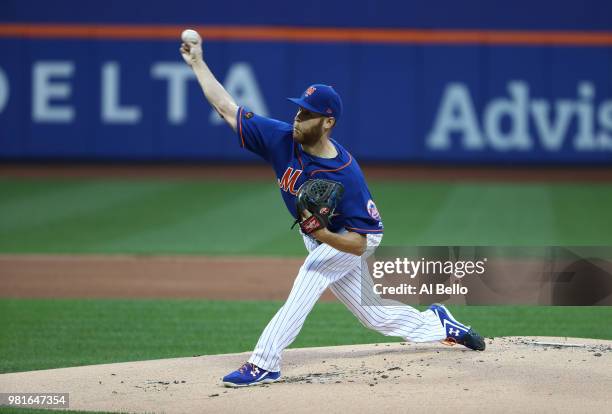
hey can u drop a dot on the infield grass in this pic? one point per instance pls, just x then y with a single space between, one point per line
52 333
238 218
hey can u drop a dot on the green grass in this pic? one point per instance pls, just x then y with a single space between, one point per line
204 217
502 214
51 333
106 216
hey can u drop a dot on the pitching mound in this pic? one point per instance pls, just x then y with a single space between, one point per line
514 374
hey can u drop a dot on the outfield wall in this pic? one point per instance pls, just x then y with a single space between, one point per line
437 82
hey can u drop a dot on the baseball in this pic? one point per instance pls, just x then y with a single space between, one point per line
190 36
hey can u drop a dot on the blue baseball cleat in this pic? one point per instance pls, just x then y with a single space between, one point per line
456 332
250 374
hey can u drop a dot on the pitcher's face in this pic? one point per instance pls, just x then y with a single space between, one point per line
307 126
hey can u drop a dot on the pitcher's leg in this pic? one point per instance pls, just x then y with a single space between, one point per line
322 266
398 320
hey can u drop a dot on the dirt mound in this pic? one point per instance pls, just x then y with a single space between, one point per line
514 374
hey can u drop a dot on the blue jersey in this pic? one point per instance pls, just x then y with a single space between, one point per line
273 141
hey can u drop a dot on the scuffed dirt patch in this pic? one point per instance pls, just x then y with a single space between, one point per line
513 374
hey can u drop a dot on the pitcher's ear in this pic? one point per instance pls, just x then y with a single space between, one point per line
330 121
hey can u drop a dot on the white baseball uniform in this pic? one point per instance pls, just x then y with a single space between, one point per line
326 267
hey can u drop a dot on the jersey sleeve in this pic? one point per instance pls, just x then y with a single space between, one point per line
361 213
259 134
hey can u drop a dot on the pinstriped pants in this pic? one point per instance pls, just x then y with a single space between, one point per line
341 272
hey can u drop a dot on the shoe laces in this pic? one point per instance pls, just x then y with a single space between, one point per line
247 366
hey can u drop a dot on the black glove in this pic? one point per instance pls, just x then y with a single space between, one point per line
320 198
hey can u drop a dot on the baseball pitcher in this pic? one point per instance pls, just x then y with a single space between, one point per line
325 191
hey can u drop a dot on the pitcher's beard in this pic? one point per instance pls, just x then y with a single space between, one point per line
308 137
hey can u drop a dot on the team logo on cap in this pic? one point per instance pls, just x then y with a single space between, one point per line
310 91
249 115
372 210
329 111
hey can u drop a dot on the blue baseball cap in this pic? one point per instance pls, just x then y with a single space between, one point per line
322 99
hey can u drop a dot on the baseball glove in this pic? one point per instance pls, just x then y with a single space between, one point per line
320 198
